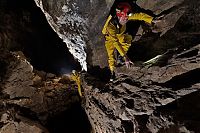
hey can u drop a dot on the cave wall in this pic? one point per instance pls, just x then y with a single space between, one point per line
24 28
83 35
78 24
143 95
80 29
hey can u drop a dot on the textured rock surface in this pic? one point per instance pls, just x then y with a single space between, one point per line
29 99
78 24
156 99
23 126
24 28
151 99
88 24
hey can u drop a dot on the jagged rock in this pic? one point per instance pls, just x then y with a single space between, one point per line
155 99
147 99
37 80
29 95
23 125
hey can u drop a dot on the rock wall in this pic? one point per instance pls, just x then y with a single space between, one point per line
31 100
151 99
83 21
156 98
79 25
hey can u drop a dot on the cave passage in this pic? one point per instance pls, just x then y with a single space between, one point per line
28 31
73 120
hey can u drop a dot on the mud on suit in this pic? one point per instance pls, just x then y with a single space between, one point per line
115 37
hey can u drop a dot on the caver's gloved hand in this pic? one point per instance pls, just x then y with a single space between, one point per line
128 62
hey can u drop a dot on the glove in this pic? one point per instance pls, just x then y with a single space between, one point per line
128 62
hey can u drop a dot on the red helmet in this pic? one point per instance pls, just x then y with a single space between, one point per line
123 7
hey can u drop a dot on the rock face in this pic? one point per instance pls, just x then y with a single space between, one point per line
177 22
71 21
30 99
78 24
147 98
24 28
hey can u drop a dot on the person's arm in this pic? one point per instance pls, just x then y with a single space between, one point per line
142 17
113 36
111 31
104 31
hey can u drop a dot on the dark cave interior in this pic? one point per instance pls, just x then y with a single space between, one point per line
185 111
73 120
183 81
27 30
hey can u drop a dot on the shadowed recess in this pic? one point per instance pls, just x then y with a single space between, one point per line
73 120
184 80
25 28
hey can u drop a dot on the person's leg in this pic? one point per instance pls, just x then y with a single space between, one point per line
111 59
110 51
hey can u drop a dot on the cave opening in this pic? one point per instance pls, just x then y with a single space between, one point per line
28 31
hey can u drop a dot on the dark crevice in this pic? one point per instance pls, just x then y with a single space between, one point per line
185 80
144 49
3 69
129 81
1 124
103 74
187 54
128 126
26 112
184 111
129 103
142 120
115 93
73 120
170 129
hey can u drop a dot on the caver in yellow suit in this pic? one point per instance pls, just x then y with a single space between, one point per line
75 76
115 37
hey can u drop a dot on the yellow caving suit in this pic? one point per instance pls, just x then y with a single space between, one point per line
76 77
115 37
